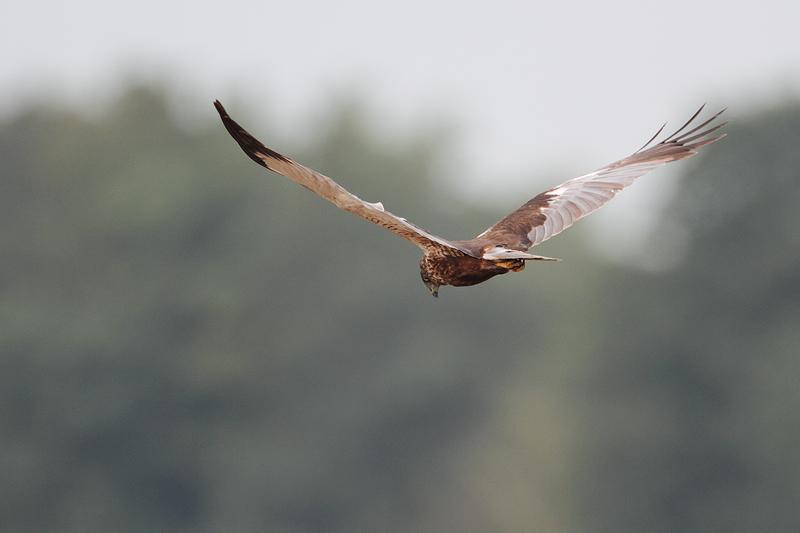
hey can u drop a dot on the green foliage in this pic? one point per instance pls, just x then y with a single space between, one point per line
191 344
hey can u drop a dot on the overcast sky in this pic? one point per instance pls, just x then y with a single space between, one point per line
544 89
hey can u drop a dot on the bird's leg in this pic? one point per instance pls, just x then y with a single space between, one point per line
515 265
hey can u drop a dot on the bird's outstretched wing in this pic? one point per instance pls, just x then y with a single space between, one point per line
556 209
333 192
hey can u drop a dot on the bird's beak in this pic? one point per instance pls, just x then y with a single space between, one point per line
433 288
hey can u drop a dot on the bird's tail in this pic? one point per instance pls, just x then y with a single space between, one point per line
501 252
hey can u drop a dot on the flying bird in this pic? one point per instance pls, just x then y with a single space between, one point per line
504 246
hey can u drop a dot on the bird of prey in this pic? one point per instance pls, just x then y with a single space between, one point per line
503 247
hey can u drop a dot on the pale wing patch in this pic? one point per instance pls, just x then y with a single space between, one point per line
497 253
578 197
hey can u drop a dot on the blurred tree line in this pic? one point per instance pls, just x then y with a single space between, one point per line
190 344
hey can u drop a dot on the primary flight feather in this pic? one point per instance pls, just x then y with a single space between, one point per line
504 246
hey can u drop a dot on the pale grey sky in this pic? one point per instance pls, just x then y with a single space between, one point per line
544 91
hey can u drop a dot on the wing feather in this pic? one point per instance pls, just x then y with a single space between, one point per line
556 209
333 192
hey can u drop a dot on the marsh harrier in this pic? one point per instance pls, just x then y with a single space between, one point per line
504 246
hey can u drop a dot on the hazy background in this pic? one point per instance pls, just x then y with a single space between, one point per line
190 344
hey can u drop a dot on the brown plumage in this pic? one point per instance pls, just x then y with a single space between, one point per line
503 247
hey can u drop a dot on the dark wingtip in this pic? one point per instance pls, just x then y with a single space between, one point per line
221 110
673 136
664 125
249 144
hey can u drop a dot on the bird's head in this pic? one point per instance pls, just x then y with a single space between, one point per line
432 286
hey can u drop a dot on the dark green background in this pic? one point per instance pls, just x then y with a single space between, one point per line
190 344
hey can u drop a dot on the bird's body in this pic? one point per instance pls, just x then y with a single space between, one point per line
503 247
463 270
